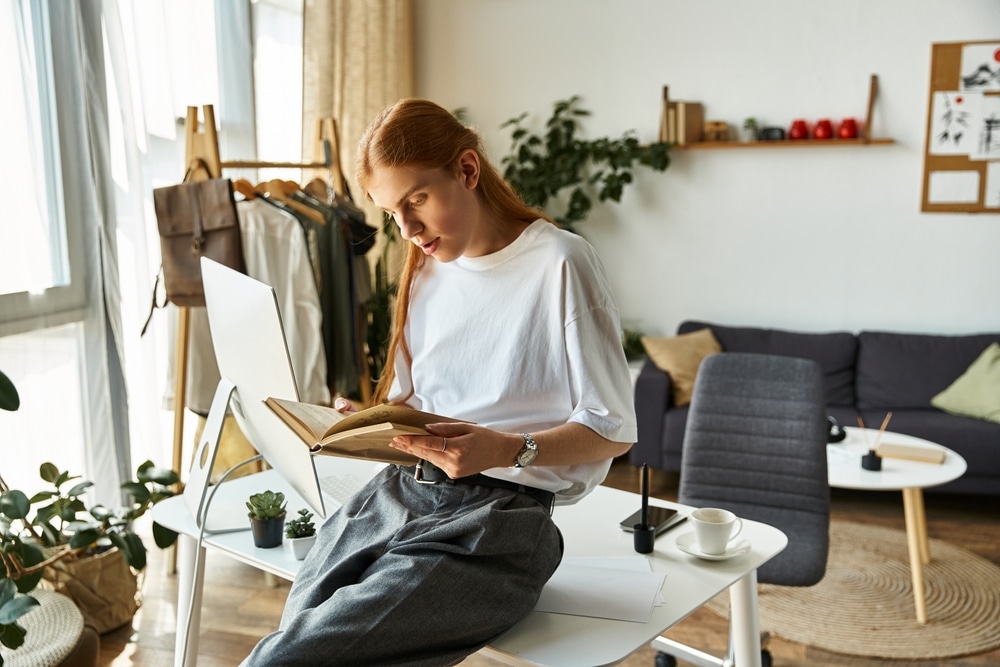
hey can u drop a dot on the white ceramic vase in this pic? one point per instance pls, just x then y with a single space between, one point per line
300 545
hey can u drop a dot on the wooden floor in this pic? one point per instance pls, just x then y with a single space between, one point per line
241 605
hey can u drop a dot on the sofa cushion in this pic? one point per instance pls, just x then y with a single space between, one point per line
903 370
680 356
976 392
834 352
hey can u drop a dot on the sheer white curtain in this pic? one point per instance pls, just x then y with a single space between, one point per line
122 72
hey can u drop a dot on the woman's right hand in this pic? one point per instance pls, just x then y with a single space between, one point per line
341 404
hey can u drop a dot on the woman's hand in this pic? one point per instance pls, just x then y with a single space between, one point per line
343 405
462 449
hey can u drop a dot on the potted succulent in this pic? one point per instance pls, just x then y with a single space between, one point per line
750 128
301 533
267 518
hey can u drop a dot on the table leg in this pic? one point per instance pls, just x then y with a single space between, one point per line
190 579
744 621
916 539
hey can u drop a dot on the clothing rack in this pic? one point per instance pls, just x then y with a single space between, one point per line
202 157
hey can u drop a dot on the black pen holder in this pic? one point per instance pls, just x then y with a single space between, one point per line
643 536
871 461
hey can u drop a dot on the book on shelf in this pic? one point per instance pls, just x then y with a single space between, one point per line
892 450
690 122
365 434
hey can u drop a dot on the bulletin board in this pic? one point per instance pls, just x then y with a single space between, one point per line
962 151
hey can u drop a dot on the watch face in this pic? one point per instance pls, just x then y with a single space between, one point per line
526 457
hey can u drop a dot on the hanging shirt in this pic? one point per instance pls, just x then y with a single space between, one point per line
276 252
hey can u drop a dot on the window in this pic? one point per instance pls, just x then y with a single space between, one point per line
41 265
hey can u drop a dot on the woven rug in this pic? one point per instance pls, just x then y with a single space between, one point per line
864 604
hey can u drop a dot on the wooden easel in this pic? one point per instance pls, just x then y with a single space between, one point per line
202 144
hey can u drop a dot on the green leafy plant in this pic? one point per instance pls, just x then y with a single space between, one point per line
541 166
63 526
56 524
300 526
12 607
632 343
750 125
267 505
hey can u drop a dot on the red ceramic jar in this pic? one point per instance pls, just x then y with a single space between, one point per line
848 129
823 129
798 130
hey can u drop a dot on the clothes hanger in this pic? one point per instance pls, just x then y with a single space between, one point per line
280 190
245 188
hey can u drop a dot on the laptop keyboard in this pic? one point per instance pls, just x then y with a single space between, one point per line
341 487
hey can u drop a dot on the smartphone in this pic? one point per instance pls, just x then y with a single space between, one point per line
661 517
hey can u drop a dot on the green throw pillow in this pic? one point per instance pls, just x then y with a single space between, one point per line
976 392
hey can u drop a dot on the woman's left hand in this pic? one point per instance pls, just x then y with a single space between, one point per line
462 449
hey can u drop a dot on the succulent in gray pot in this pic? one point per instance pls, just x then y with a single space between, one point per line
267 518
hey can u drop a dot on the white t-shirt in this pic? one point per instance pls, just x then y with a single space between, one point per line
524 339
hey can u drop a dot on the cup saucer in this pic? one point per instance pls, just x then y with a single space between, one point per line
687 544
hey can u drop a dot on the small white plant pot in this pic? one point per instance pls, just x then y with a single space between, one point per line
300 545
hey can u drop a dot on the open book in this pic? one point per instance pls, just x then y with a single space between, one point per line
356 435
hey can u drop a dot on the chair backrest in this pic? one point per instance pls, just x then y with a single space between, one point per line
755 444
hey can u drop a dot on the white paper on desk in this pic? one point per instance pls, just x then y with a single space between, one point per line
601 592
631 563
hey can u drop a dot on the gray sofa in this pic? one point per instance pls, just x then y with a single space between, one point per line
865 374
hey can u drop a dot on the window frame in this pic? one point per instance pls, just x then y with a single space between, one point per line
66 301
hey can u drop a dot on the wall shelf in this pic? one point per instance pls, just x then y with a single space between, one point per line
786 143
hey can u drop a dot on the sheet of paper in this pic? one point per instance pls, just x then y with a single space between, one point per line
632 563
953 187
835 454
601 592
955 119
981 66
992 185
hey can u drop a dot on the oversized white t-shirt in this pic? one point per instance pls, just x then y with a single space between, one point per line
522 340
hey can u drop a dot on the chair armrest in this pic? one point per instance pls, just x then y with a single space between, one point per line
653 398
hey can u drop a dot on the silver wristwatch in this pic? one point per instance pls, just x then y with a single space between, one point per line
528 453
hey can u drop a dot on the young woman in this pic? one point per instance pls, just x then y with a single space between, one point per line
503 321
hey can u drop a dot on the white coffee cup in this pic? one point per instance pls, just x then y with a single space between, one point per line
715 528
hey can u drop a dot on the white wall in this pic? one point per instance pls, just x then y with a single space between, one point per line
809 238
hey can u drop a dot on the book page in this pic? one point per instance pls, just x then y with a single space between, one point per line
314 419
380 414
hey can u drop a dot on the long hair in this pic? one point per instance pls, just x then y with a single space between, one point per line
419 133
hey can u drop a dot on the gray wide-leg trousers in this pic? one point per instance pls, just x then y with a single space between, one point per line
413 574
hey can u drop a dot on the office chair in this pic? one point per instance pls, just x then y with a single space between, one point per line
755 444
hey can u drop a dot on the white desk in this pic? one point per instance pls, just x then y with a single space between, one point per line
589 528
910 477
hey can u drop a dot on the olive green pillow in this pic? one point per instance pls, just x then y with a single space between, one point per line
680 356
976 392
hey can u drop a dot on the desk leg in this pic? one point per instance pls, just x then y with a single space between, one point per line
190 578
744 621
916 539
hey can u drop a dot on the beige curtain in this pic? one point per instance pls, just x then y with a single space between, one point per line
357 57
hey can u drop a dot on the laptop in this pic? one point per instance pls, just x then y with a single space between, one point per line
252 354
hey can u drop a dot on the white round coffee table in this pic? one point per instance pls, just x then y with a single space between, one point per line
910 477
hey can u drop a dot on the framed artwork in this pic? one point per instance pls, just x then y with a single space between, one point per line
962 149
